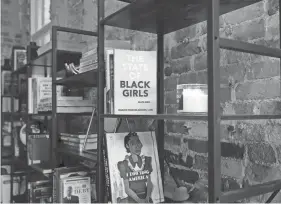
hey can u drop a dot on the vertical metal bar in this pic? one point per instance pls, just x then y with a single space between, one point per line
54 98
29 74
160 98
214 148
100 104
280 28
12 139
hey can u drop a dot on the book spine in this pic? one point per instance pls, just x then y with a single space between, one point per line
106 172
111 62
88 68
88 62
78 136
90 57
90 52
55 176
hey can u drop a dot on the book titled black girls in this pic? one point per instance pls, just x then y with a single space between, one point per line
134 169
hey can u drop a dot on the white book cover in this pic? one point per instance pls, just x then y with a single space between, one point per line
135 82
76 190
135 175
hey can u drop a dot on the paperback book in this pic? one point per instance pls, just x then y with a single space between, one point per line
134 172
131 82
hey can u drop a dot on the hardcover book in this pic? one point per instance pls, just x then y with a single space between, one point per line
134 172
76 189
133 85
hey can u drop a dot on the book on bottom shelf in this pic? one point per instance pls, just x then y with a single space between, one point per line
76 189
82 183
40 191
134 173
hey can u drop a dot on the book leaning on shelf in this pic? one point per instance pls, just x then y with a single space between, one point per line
133 175
131 82
74 185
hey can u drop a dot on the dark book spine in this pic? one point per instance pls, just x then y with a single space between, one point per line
55 177
106 171
111 63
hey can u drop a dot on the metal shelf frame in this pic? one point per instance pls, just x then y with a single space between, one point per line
214 117
55 132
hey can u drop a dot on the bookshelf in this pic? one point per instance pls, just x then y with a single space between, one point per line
49 61
161 17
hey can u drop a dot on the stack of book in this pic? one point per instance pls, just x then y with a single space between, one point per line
67 104
76 141
89 59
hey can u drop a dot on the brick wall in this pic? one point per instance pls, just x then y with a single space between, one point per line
251 150
14 26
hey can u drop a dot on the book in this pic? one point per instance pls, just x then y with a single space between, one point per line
6 82
135 168
40 88
75 187
38 147
77 140
57 174
79 136
79 146
76 190
133 82
40 191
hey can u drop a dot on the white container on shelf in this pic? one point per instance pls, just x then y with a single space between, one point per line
195 98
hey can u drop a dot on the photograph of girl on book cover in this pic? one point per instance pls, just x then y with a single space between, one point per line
136 170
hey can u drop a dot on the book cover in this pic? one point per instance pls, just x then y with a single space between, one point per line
6 83
134 172
76 189
135 82
19 58
58 173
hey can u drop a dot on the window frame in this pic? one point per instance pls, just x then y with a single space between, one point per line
39 30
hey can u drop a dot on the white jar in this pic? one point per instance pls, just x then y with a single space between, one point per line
195 99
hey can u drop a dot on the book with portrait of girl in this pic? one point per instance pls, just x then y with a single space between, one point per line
134 170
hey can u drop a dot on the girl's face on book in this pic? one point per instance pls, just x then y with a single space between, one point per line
135 145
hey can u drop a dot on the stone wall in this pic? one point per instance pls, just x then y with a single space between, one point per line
251 150
15 29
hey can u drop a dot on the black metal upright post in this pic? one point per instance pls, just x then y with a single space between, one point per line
160 99
12 136
214 148
54 99
100 104
29 74
280 31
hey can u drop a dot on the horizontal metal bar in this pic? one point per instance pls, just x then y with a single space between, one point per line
195 117
240 46
76 31
250 117
252 191
160 116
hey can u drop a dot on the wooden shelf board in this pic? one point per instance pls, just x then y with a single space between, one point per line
82 155
84 79
146 15
194 117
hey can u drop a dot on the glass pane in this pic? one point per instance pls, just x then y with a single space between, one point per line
46 19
